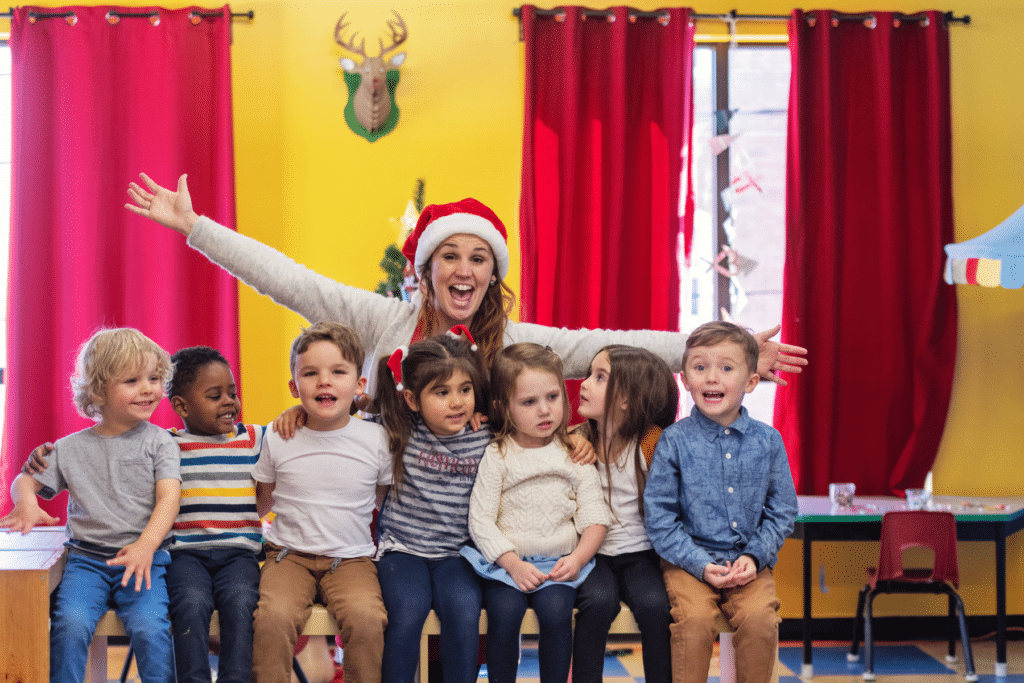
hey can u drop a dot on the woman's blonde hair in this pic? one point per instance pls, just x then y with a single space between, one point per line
106 356
509 364
488 323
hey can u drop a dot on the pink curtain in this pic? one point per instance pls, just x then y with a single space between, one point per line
869 208
609 112
97 98
607 133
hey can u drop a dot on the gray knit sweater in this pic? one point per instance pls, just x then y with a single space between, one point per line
383 324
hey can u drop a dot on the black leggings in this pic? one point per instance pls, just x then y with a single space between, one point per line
505 609
633 578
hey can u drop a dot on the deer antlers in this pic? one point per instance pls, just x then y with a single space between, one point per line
399 33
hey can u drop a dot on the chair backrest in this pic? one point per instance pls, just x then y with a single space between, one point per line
902 529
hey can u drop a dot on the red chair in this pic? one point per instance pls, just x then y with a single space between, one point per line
902 529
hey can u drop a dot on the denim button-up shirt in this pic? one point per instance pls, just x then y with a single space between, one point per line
715 493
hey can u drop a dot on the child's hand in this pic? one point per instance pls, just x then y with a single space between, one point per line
566 569
526 576
364 402
136 558
743 570
290 420
26 515
718 576
477 421
583 452
36 462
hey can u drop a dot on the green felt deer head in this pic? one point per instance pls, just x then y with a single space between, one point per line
371 111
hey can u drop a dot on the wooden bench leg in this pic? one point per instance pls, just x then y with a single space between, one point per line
726 658
96 669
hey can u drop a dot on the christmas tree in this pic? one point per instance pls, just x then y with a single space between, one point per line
400 279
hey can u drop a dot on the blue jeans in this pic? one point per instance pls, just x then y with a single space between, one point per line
198 582
89 588
633 578
411 585
505 609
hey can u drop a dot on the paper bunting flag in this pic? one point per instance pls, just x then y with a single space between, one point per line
737 263
720 143
744 181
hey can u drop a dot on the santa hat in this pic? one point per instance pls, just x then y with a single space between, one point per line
395 365
469 217
462 332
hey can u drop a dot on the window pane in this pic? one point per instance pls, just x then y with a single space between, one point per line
753 201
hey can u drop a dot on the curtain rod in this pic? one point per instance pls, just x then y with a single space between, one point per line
250 15
732 15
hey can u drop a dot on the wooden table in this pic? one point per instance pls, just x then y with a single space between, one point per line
30 568
977 519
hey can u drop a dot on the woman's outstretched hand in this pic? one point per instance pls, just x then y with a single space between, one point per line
776 357
170 209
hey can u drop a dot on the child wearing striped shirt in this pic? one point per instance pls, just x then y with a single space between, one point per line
427 395
218 533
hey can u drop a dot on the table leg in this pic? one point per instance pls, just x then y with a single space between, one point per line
807 670
1001 604
25 626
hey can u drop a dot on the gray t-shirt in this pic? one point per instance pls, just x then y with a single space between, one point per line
111 481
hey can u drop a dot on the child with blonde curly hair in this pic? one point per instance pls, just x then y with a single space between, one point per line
123 479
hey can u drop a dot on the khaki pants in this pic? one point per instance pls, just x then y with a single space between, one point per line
752 610
288 590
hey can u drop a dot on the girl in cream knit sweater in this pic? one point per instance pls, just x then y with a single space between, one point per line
536 517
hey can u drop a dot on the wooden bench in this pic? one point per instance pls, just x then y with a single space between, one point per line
321 623
624 624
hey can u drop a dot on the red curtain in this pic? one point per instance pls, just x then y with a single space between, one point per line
609 112
97 98
869 208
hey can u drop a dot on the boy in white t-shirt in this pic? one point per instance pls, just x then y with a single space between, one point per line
322 486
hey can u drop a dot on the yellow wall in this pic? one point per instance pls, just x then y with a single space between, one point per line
330 199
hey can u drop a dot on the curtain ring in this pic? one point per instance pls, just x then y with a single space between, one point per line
835 22
871 23
611 18
664 18
632 18
112 18
812 20
925 22
560 17
195 18
154 19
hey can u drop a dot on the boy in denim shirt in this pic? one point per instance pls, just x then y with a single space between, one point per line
719 502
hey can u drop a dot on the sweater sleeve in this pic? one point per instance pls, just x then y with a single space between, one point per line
577 348
591 506
483 507
313 296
